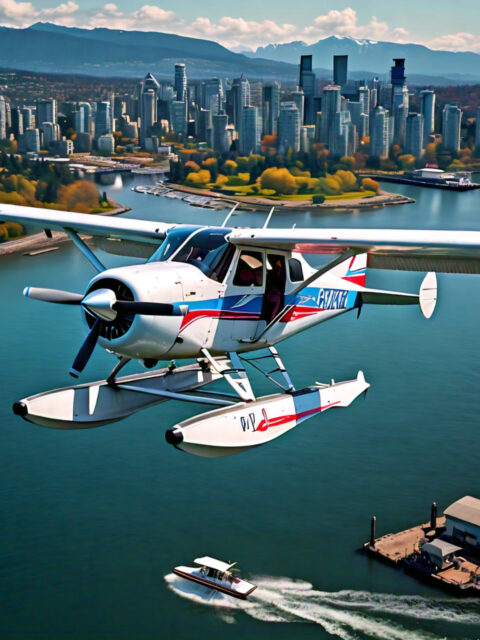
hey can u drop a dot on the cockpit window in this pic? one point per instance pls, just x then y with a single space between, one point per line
206 250
174 239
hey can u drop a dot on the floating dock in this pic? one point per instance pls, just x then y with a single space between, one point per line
456 569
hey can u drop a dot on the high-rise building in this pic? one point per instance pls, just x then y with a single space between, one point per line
400 100
340 70
204 126
414 134
477 130
178 117
344 135
31 139
50 132
271 107
384 95
212 95
28 118
256 94
427 109
307 83
298 97
251 131
47 111
330 106
148 96
180 83
359 118
3 118
83 143
307 137
289 123
220 141
364 98
83 118
103 122
451 125
240 99
17 122
379 133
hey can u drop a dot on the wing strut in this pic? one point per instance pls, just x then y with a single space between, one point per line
240 383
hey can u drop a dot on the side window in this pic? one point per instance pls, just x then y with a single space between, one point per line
249 269
295 269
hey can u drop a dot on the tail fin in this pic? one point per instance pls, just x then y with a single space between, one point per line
352 269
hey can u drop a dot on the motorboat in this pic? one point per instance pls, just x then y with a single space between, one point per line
217 575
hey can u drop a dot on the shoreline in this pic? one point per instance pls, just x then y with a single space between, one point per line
40 242
250 203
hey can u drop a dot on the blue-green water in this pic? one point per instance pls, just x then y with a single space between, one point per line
92 521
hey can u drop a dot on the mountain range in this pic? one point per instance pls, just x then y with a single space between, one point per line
46 47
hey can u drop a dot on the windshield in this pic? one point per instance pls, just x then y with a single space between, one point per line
209 251
174 239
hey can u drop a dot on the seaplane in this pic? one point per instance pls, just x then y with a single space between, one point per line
217 575
223 297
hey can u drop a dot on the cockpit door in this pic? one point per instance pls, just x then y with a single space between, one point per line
242 303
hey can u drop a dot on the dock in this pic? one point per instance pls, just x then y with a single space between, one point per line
458 571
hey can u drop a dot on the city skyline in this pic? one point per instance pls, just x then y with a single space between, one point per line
253 25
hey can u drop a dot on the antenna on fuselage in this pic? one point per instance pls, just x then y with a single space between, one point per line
270 214
230 213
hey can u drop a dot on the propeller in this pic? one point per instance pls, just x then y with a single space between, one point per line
104 308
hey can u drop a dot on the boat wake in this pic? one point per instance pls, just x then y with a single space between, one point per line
345 614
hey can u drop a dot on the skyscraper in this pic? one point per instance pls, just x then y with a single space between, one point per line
240 99
289 123
212 95
204 126
83 117
103 122
3 119
343 135
220 140
340 70
251 131
46 111
452 121
330 106
180 82
427 109
28 118
359 118
307 83
178 117
271 107
380 134
17 122
148 91
298 97
414 134
399 100
31 139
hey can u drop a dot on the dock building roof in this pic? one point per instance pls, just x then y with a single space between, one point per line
466 509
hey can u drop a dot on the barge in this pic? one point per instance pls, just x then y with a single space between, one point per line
433 178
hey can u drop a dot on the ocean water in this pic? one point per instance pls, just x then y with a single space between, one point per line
92 522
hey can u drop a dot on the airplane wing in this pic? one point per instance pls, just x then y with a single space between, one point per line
398 249
87 223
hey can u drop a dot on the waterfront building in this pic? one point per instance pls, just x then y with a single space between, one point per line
414 134
3 118
251 130
128 128
240 95
106 144
180 83
31 140
220 140
271 108
462 521
307 84
452 122
103 122
340 70
289 127
83 143
47 111
330 106
380 133
178 117
427 109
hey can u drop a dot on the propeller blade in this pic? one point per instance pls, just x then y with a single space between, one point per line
144 308
86 350
52 295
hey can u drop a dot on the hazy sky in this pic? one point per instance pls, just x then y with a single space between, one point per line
246 24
